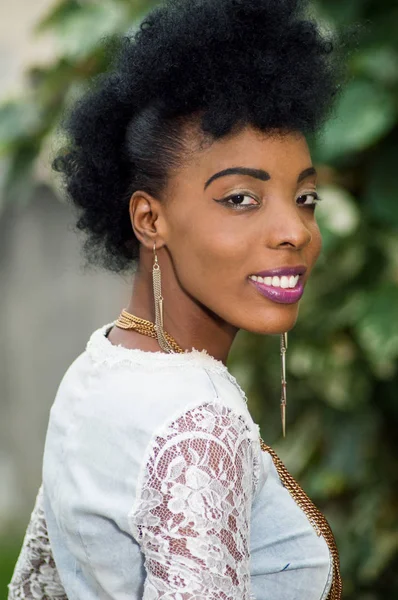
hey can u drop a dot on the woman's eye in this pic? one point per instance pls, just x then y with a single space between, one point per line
314 199
238 200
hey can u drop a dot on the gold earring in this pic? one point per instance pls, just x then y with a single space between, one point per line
283 346
157 293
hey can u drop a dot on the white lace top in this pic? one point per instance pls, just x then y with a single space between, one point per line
155 486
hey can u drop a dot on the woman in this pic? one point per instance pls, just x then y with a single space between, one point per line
189 162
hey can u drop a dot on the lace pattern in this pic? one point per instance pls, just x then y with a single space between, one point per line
35 574
193 508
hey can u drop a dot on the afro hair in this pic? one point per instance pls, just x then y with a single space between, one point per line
225 63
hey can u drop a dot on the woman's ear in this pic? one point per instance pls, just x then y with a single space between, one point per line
146 216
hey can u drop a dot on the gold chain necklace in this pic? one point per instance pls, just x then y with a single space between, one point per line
314 515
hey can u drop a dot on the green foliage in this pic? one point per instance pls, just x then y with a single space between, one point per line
356 129
343 351
9 553
84 32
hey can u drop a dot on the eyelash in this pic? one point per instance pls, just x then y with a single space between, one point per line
225 201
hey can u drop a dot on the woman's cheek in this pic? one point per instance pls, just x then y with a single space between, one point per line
316 243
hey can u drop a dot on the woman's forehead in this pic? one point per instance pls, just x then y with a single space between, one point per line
247 148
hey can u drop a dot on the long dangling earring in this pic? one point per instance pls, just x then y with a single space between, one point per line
283 381
157 293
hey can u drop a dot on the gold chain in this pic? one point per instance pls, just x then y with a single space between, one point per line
314 515
128 321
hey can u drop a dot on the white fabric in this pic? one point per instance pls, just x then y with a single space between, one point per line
35 574
192 514
155 486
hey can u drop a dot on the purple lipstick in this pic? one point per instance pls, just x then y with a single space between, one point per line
283 285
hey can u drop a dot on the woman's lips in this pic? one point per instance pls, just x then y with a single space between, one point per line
288 270
278 294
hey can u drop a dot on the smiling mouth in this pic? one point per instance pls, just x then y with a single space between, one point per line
284 277
284 289
283 282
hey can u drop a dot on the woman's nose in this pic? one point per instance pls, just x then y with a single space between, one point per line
288 228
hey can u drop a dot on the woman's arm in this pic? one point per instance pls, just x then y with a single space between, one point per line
191 516
193 508
35 574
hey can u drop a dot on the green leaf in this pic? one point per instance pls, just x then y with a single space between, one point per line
4 169
337 214
380 63
377 329
382 28
82 30
364 113
340 12
20 119
381 195
18 179
301 444
58 14
383 551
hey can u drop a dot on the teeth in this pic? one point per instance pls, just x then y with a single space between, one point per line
284 281
281 282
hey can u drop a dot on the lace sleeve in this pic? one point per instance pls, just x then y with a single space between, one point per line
192 512
35 574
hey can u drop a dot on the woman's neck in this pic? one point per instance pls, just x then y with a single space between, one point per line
189 323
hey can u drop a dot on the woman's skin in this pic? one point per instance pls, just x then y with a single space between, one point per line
207 250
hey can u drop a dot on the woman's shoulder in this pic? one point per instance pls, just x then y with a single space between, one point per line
114 402
103 352
190 371
138 387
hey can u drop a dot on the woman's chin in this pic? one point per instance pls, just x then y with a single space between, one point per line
272 322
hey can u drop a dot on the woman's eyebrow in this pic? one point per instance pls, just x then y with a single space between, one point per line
257 173
306 173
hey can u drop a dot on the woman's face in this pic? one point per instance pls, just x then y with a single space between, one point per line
224 227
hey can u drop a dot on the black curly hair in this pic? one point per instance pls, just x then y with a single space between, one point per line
224 63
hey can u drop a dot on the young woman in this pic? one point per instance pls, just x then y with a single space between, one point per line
189 164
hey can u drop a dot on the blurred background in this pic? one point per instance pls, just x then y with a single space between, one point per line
342 441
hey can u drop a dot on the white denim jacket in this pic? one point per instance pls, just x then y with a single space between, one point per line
155 486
